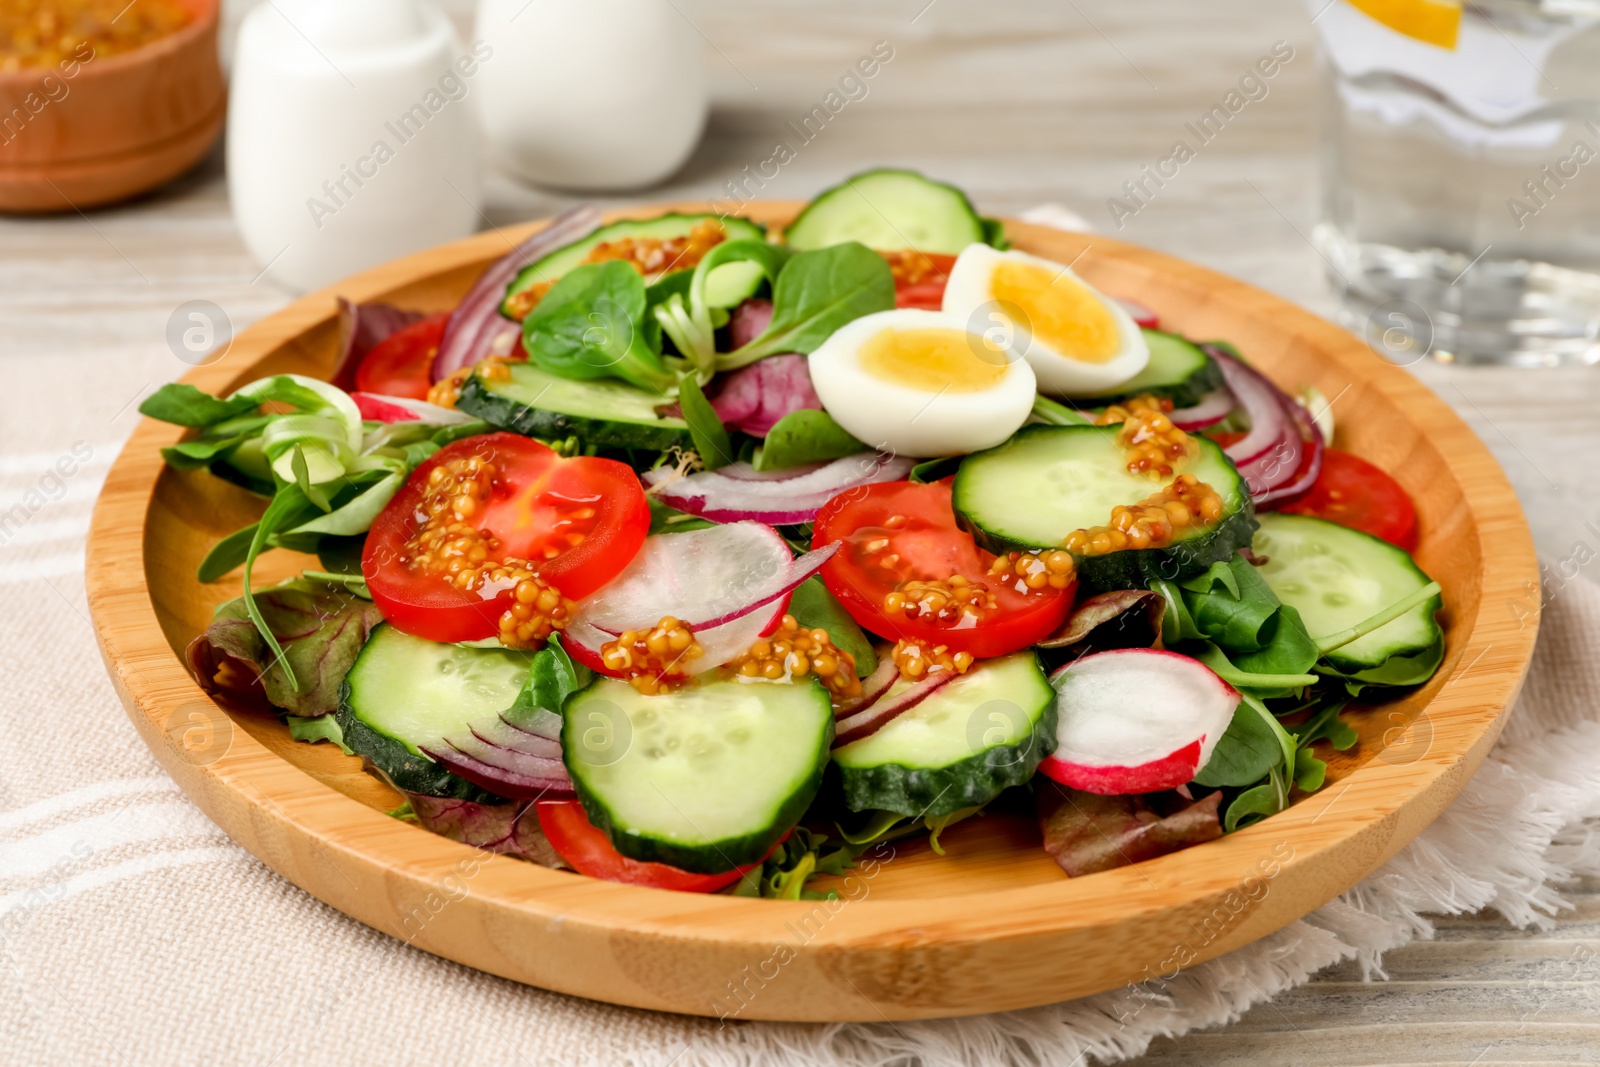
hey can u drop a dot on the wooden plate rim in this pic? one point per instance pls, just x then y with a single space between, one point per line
153 683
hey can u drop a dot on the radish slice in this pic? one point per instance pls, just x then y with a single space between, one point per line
476 322
703 578
1136 720
873 686
1211 409
886 709
739 492
1140 314
719 644
377 407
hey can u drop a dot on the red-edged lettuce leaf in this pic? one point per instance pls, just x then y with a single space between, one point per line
320 626
1121 618
1085 832
506 829
361 327
753 399
748 321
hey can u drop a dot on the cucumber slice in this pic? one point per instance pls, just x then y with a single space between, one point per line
1337 577
601 412
663 227
1048 481
889 210
404 692
705 778
1178 369
978 735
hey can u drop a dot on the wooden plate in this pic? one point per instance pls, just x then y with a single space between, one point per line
991 925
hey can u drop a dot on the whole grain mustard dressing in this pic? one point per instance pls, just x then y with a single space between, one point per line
45 33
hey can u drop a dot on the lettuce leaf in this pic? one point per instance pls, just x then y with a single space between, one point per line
505 829
320 627
1086 832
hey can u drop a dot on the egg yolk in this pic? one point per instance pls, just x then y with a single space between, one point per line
935 360
1060 310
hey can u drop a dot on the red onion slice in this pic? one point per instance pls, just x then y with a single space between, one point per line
1262 401
886 709
502 734
508 776
738 492
1142 315
361 327
1282 470
1211 409
477 321
378 407
873 686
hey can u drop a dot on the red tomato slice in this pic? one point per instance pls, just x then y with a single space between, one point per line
928 296
402 363
875 559
1352 492
919 278
590 852
578 521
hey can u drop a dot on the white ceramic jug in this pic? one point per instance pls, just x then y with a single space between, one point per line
353 135
592 94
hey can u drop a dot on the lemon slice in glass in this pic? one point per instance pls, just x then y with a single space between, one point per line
1435 22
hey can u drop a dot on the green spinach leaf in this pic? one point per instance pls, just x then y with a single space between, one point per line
816 293
805 436
592 324
814 608
705 429
1246 754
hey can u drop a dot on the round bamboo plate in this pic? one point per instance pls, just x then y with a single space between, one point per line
991 925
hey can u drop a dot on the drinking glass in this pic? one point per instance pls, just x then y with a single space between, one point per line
1460 158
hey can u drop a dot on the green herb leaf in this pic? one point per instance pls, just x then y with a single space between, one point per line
1058 414
228 553
183 405
1268 798
814 608
805 436
705 429
592 324
321 728
816 293
552 678
1246 753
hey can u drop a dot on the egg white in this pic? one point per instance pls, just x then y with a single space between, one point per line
908 421
969 297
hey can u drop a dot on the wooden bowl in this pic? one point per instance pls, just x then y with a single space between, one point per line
991 925
108 128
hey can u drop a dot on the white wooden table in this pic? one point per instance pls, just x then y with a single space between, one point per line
1020 103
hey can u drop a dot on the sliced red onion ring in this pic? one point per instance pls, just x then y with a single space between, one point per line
542 723
361 327
873 686
886 709
378 407
511 774
477 321
1140 314
1281 471
738 492
1211 409
1269 422
502 734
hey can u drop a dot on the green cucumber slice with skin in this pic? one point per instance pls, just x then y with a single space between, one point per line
602 413
705 778
404 692
1337 577
889 210
960 747
663 227
1178 370
1048 481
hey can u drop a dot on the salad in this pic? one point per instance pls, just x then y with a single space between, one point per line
689 555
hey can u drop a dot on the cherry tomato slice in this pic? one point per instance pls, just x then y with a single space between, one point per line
875 559
590 852
1352 492
578 521
402 363
919 278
